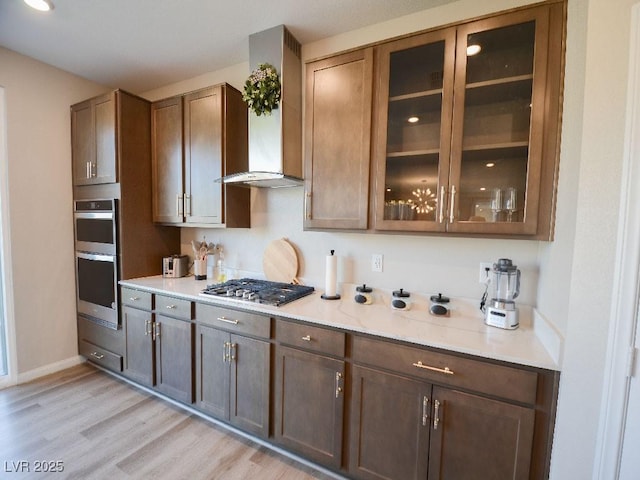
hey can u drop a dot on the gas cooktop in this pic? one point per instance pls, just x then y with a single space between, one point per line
259 291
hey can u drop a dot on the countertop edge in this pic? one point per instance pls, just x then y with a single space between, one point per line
540 349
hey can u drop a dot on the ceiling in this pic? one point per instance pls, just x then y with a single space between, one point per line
140 45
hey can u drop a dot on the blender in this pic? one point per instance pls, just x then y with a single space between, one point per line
501 311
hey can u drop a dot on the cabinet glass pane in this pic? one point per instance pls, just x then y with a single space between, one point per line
413 132
497 124
411 188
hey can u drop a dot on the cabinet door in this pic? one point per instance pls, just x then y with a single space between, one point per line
474 437
82 141
138 358
389 426
337 143
166 161
309 404
212 371
105 166
499 123
93 140
174 358
203 120
412 150
250 369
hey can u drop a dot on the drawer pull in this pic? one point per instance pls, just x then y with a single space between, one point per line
171 307
425 410
435 369
134 299
97 355
227 320
307 338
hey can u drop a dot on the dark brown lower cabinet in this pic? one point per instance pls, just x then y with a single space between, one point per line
408 429
139 351
309 404
174 357
232 378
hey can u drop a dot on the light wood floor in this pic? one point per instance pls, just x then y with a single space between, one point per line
100 427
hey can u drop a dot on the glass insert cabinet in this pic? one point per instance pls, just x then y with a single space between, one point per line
466 135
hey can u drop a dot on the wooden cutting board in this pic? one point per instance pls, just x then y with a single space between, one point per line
280 262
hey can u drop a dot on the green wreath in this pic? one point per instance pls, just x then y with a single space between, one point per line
262 89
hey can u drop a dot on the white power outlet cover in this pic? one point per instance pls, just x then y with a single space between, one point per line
376 262
485 270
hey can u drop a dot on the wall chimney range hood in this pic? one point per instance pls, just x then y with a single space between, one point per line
275 141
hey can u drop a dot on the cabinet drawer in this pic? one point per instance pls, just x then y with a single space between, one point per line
135 298
100 356
496 380
236 321
310 337
174 307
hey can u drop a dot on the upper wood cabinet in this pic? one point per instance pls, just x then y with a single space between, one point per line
337 144
93 140
462 141
197 138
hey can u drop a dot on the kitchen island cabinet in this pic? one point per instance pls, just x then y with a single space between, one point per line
233 368
195 139
309 391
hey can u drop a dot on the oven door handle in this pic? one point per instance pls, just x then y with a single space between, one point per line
96 256
94 215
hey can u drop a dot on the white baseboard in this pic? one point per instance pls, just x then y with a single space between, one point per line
48 369
549 336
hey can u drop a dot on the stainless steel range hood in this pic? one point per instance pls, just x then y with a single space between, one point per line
275 141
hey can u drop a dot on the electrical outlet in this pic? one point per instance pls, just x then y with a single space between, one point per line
376 262
485 269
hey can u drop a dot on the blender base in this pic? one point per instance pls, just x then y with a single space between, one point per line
501 318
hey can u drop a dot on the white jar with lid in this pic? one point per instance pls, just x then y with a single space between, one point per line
363 295
401 300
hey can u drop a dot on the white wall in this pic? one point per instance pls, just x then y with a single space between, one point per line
40 198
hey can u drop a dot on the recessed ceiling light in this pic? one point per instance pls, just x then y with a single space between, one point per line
482 189
412 119
473 49
42 5
490 164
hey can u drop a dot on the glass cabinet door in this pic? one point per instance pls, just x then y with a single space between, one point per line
412 147
498 124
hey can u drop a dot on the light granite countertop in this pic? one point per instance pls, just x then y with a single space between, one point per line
464 331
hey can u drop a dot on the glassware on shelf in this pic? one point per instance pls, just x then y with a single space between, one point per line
511 203
497 196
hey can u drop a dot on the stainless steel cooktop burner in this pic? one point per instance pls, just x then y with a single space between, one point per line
260 291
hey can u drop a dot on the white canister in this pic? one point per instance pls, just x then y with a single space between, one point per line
401 300
363 295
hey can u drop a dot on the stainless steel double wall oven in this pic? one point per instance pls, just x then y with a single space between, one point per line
96 245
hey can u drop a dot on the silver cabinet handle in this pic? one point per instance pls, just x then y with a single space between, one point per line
232 351
307 338
425 411
179 205
452 208
227 320
97 355
225 352
88 170
443 193
187 205
156 331
147 325
446 370
436 414
338 387
134 299
170 307
307 205
93 170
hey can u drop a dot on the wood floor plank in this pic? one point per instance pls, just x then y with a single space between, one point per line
101 427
